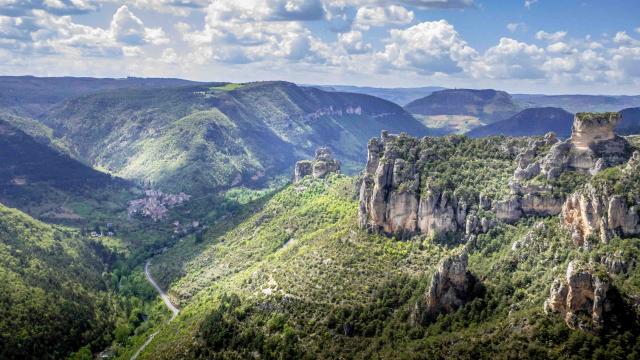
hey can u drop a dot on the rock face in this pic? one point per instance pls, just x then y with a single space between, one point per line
392 202
323 164
593 146
580 293
592 216
451 287
595 214
528 200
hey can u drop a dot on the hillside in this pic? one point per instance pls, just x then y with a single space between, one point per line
529 122
487 105
576 103
30 95
46 183
221 136
400 96
319 270
54 298
630 123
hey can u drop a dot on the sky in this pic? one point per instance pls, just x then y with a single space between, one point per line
523 46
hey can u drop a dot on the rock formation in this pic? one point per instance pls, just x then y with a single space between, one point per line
527 199
319 167
391 200
451 287
593 216
580 293
592 146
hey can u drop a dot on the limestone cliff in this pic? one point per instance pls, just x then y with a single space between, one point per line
391 200
581 293
593 216
605 207
450 288
319 167
593 146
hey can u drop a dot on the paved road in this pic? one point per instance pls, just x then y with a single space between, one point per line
163 295
165 299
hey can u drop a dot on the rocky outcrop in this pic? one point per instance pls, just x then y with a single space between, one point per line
581 294
323 164
592 216
450 288
527 199
593 146
392 202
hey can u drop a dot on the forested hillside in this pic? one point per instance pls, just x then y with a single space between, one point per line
220 136
54 296
475 267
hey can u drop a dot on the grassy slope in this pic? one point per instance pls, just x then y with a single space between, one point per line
53 296
310 282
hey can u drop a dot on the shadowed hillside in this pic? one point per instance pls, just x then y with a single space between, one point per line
529 122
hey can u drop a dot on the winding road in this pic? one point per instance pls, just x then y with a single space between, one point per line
163 295
165 298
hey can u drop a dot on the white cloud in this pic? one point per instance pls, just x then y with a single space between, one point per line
559 47
265 10
529 3
428 48
169 56
513 27
551 37
57 7
245 31
511 59
174 7
622 38
44 32
439 4
353 43
368 16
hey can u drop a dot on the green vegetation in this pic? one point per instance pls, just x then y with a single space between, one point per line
464 166
55 298
298 279
227 87
220 136
592 116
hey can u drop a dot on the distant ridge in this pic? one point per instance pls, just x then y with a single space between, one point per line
630 123
488 105
529 122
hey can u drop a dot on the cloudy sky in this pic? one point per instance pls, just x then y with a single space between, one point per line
546 46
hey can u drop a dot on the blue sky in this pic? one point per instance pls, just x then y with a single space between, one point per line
543 46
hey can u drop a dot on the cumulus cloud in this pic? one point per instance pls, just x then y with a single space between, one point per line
511 59
128 29
559 47
353 43
368 16
439 4
175 7
57 7
428 47
243 31
44 32
265 10
623 38
513 27
551 37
